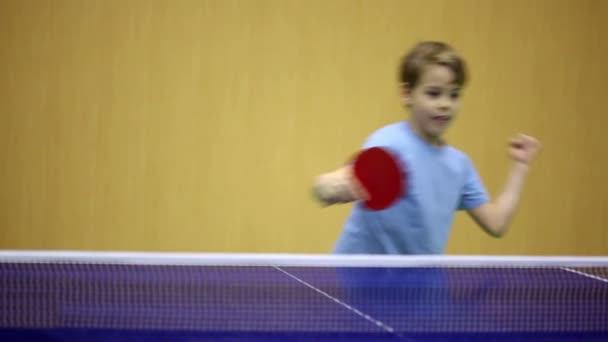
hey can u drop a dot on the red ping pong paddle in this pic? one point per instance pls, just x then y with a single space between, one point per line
380 173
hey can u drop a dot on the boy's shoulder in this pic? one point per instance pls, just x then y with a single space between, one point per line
389 134
392 128
456 152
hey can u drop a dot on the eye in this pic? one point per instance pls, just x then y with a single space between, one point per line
455 95
433 93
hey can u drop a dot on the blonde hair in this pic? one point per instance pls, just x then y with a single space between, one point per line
429 53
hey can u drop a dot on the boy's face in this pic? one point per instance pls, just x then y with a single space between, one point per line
434 102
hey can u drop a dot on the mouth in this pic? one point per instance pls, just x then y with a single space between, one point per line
443 119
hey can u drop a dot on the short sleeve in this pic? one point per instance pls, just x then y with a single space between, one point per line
473 192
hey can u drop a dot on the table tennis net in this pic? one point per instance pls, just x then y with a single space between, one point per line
282 293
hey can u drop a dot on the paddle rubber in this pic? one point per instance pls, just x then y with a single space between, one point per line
382 177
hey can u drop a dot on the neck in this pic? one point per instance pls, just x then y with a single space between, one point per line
431 139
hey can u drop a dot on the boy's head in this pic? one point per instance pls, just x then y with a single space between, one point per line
431 76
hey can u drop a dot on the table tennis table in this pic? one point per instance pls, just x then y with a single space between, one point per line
130 296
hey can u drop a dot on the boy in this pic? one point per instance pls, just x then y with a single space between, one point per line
442 179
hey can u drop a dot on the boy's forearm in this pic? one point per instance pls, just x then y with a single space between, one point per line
505 205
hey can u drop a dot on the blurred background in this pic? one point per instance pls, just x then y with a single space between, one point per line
199 125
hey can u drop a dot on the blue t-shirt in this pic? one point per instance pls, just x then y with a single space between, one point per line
441 180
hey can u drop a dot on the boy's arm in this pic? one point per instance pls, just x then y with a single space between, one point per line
495 217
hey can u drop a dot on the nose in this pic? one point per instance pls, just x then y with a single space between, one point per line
445 103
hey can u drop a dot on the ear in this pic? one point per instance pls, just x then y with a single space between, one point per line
405 92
